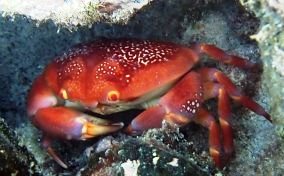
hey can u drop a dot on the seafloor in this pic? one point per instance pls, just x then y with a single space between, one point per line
32 35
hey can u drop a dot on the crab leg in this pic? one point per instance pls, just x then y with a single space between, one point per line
46 143
223 89
216 84
180 106
214 75
220 55
213 90
224 112
151 118
205 119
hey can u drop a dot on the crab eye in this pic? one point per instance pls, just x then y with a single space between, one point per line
63 94
113 96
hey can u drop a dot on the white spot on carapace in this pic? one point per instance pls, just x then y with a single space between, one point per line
130 55
137 53
76 51
197 105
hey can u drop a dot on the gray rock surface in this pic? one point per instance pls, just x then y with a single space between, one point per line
14 159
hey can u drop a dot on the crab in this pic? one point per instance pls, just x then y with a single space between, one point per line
114 75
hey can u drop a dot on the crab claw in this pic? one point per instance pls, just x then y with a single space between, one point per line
61 122
65 123
90 129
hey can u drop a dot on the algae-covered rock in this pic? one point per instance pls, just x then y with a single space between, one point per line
14 159
270 38
157 152
76 12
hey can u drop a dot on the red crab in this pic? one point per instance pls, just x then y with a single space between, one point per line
109 76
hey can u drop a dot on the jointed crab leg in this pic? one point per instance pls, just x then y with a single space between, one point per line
214 75
237 96
151 118
220 55
216 84
182 105
216 90
224 113
205 119
46 143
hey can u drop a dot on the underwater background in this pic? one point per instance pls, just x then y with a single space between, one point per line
32 33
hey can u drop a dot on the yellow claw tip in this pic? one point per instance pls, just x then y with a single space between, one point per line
90 130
